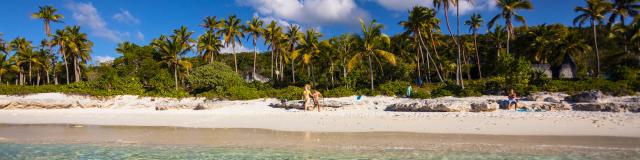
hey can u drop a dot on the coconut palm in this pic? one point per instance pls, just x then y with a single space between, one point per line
231 34
623 9
23 54
594 12
293 36
254 30
48 14
309 48
370 45
61 38
273 37
413 27
209 45
211 23
509 13
474 24
78 49
446 4
172 48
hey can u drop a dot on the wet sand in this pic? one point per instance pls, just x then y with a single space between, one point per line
346 141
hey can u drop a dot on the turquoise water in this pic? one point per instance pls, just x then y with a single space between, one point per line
11 151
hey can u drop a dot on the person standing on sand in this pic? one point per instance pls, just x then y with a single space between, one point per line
512 100
409 90
316 99
306 95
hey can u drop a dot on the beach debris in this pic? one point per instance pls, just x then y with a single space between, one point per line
586 97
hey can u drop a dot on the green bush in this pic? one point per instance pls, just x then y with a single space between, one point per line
289 93
339 92
393 88
441 92
624 73
242 92
215 76
421 93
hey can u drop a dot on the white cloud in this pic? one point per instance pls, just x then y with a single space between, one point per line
239 49
103 59
310 12
465 6
139 35
125 17
87 15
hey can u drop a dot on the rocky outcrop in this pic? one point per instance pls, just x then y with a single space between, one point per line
63 101
298 104
586 97
608 107
443 105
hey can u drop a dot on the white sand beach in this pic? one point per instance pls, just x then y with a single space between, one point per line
365 116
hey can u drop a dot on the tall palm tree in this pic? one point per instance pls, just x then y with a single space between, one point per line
23 51
211 23
623 9
594 12
474 24
61 38
509 12
48 14
370 44
172 48
309 46
273 36
209 45
446 4
232 34
254 30
421 19
78 49
293 36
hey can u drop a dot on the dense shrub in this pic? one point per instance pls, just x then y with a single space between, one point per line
339 92
393 88
242 92
624 73
441 92
289 93
215 76
421 93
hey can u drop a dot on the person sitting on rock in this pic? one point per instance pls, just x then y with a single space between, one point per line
512 100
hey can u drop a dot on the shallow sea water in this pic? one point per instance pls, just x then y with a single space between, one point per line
35 142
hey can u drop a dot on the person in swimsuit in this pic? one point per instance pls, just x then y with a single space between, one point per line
316 99
306 95
512 100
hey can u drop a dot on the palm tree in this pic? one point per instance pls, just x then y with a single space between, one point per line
293 36
273 36
594 12
474 24
209 45
23 51
309 48
48 14
232 34
61 38
211 23
78 49
446 4
509 11
172 48
254 30
621 10
4 52
422 19
370 44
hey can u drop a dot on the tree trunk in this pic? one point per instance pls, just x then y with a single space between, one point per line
331 70
235 60
76 69
429 55
30 76
66 66
255 56
415 38
370 70
175 75
344 67
293 69
595 42
475 45
272 54
459 76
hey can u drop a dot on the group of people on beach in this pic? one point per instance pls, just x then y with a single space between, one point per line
310 96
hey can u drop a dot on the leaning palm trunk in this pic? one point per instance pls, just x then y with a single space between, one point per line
475 44
370 70
175 75
235 60
595 43
429 56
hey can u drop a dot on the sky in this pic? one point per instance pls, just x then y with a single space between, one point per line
109 22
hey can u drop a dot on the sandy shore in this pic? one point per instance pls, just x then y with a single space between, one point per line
366 116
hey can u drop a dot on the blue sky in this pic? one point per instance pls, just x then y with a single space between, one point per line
109 22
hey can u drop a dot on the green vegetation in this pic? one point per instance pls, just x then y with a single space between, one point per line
369 62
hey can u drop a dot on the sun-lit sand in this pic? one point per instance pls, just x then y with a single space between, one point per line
365 116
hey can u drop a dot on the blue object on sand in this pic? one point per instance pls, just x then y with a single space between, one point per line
358 98
522 110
